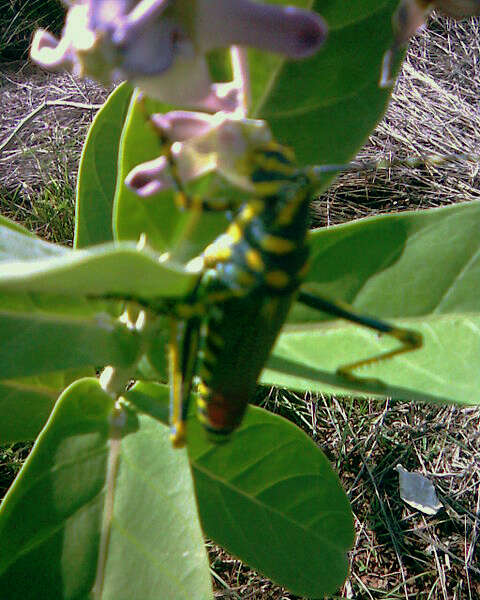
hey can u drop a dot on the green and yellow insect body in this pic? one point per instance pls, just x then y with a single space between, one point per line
251 276
258 266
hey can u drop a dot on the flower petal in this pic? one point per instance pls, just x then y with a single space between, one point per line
287 30
201 144
150 177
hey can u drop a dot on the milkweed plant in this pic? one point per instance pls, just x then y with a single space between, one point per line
229 116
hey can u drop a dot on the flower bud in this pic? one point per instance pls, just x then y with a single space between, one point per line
201 144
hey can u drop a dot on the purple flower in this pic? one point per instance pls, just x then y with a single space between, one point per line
161 44
202 143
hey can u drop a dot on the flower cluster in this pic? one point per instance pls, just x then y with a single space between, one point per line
161 45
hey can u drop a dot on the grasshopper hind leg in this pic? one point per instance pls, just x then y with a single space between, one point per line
409 339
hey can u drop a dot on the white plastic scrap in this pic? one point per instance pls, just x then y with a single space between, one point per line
417 491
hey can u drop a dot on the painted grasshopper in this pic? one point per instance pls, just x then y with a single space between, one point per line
222 335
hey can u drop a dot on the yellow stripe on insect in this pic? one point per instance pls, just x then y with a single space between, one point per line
201 405
254 260
202 389
219 251
277 279
272 163
277 245
275 166
252 210
268 188
203 417
285 216
235 233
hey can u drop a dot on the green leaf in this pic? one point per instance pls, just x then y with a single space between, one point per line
111 269
102 503
151 398
183 233
16 243
270 497
97 175
4 222
34 339
25 404
267 494
431 256
419 268
326 106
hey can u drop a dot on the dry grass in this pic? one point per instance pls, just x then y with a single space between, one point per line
38 167
398 554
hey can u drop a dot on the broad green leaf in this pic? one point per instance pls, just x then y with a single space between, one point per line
25 404
326 106
408 264
111 269
73 306
183 234
445 370
103 506
97 175
270 497
419 268
16 243
34 339
4 222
